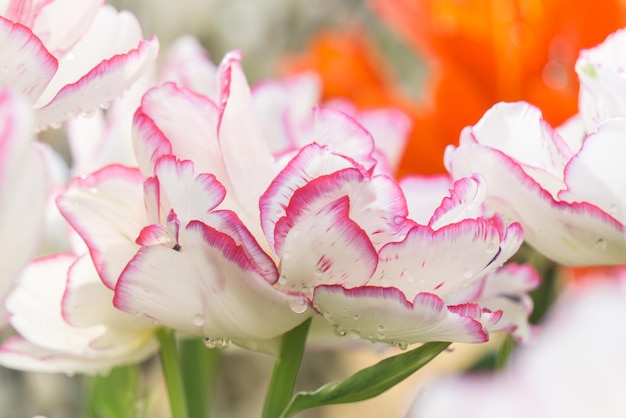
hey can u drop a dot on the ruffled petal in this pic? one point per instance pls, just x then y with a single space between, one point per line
209 287
107 209
157 130
596 173
464 202
439 261
506 290
377 205
384 314
424 194
577 233
311 162
27 66
326 248
343 135
103 83
191 196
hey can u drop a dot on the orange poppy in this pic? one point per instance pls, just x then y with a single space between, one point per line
479 51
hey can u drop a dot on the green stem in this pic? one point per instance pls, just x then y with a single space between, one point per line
172 373
504 352
199 365
285 370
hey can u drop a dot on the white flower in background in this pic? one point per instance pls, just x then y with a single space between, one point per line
580 345
69 57
23 189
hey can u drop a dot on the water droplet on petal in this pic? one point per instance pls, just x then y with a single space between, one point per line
340 331
198 320
403 345
216 342
356 317
492 247
354 334
298 303
467 274
600 244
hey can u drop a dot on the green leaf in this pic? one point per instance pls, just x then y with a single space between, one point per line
114 395
285 370
366 383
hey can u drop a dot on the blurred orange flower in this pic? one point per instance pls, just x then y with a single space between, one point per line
479 52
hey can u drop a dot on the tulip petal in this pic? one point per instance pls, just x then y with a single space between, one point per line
327 247
377 205
576 233
23 189
27 66
311 162
157 130
191 196
343 135
424 194
441 261
107 209
208 287
105 82
246 156
384 314
595 174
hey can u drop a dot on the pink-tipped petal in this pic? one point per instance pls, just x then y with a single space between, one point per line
27 66
595 174
103 83
61 23
326 248
464 202
191 196
384 314
246 157
187 64
311 162
424 194
377 204
107 209
577 233
443 261
207 287
343 135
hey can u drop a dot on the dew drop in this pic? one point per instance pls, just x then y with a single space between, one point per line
295 233
340 331
282 280
356 317
198 320
318 272
216 342
403 345
354 334
491 247
600 244
467 273
613 208
298 303
105 105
